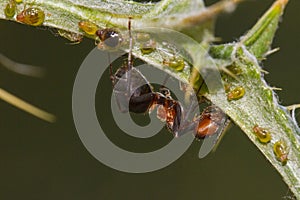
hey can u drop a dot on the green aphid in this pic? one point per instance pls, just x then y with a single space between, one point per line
236 93
263 135
32 16
281 151
148 47
10 9
234 69
176 63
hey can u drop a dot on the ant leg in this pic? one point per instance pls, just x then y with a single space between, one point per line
112 76
129 64
130 45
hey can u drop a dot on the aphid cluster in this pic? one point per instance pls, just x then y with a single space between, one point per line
111 39
280 147
33 16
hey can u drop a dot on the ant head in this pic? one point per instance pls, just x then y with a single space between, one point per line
109 38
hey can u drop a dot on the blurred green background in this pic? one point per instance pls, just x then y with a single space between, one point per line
48 161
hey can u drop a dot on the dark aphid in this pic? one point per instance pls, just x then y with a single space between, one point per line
262 134
10 9
32 16
281 151
236 93
109 38
88 27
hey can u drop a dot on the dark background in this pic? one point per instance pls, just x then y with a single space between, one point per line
45 161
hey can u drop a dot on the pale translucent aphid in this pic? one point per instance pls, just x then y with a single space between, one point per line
32 16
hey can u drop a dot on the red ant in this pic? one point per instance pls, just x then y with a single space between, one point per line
131 86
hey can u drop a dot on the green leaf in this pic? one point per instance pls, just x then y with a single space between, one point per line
259 39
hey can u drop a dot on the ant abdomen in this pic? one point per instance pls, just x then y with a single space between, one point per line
211 120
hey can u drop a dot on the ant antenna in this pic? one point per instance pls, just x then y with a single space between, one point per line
130 45
129 64
111 74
